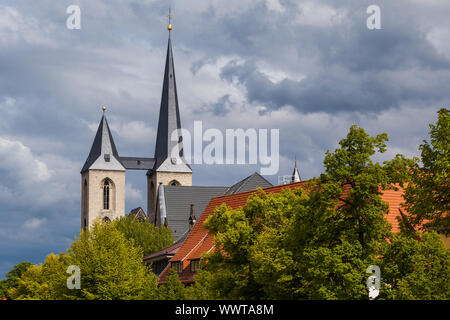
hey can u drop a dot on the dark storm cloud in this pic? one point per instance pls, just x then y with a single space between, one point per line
337 90
353 68
220 108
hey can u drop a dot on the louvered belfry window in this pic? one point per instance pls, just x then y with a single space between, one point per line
106 197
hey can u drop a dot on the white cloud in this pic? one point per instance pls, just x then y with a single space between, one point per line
136 132
27 180
312 13
276 75
205 87
19 163
15 28
275 5
439 37
34 223
133 195
8 104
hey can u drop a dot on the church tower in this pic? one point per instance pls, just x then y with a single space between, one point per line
102 179
170 166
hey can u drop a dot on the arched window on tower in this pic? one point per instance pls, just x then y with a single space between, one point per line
106 194
174 183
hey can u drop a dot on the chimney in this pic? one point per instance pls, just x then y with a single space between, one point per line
192 219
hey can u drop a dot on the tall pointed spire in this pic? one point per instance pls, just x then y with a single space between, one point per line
169 121
295 174
103 154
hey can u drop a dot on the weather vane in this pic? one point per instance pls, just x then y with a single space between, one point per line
169 27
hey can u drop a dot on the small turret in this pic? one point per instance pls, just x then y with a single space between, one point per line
295 174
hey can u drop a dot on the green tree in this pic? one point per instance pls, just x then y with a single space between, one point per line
415 268
3 289
359 183
146 235
427 196
44 282
173 289
282 246
12 278
203 287
110 265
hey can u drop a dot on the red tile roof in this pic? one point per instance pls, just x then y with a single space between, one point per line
200 241
394 199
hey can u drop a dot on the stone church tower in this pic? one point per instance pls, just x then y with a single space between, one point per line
102 179
170 167
103 174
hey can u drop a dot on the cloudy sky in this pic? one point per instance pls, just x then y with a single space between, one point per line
310 68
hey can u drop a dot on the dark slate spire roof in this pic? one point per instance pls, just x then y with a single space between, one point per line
103 153
169 121
250 183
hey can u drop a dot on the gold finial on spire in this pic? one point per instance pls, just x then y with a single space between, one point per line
169 27
103 108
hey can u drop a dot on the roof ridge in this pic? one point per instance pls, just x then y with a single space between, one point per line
197 186
243 182
194 247
264 189
260 175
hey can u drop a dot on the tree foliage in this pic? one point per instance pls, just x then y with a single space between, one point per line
3 289
111 268
173 289
359 183
427 195
12 278
44 282
416 269
146 235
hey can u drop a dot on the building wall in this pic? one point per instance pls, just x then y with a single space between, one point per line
446 240
166 178
92 199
